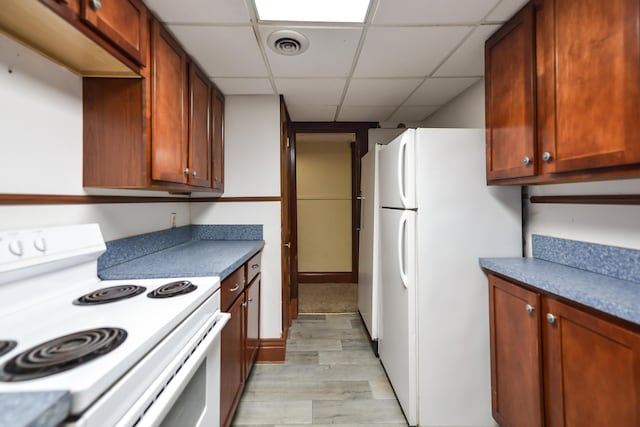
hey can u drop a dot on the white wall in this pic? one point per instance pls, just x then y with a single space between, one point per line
610 225
41 151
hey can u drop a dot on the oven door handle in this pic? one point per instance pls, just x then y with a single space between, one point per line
159 408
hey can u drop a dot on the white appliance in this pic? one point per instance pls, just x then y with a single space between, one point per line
368 244
437 217
130 352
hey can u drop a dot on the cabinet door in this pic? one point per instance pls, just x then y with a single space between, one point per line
232 362
591 83
592 370
218 141
252 336
122 22
510 99
168 108
199 127
516 370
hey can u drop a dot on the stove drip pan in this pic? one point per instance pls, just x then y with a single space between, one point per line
173 289
62 354
110 294
6 346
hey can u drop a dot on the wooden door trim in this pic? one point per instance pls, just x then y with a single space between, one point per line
326 277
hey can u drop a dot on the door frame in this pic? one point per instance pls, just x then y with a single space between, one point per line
359 149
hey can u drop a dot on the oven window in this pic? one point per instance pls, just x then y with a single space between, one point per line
188 409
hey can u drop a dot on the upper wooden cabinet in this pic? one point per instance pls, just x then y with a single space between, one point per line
217 120
88 40
562 92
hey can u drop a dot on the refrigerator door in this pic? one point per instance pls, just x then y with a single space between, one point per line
397 172
368 257
397 335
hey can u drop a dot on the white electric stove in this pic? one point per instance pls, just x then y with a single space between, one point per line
126 350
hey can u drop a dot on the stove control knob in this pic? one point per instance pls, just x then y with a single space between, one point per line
16 248
40 244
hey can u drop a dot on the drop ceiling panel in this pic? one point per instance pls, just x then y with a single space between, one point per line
311 91
468 59
311 113
438 91
406 52
505 10
413 114
247 86
405 12
379 92
364 114
200 11
223 51
330 53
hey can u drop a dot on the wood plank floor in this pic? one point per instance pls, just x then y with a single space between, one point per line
331 377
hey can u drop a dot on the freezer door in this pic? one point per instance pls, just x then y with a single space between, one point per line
397 335
397 172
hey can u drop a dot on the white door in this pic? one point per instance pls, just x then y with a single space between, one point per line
397 172
397 335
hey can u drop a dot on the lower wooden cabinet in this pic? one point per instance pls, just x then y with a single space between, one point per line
232 362
252 324
556 365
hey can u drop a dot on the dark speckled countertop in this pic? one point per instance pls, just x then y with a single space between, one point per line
601 277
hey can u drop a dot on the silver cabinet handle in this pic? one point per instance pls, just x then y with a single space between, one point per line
546 156
254 266
529 308
96 4
194 173
244 305
526 161
235 288
551 319
186 171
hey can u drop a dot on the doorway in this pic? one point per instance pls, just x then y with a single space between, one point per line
325 215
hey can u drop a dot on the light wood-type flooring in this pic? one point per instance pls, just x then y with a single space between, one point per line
331 377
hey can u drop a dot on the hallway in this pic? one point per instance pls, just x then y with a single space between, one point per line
330 377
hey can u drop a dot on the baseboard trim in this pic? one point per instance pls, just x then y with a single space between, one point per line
272 350
326 277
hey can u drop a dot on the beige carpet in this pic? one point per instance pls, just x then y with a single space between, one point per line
327 297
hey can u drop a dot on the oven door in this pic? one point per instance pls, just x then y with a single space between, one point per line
187 393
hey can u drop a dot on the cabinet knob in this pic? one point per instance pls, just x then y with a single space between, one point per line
186 171
551 319
96 4
546 156
194 173
529 308
526 161
254 266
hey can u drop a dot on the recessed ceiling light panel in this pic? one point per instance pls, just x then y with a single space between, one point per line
312 10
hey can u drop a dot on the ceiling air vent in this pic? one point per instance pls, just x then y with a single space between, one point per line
287 42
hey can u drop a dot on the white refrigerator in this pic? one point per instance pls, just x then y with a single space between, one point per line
437 217
368 244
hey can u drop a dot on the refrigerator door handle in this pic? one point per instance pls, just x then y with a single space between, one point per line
401 234
402 152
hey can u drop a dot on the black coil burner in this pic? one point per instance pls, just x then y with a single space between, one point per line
61 354
6 346
173 289
110 294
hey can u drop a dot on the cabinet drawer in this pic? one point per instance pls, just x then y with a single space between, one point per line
254 266
231 287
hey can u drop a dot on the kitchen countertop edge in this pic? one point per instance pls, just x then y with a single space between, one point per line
34 409
615 297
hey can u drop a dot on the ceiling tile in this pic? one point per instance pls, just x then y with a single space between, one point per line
505 10
311 91
379 91
330 53
200 11
312 113
406 52
223 51
364 114
246 86
413 114
431 11
468 59
439 91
